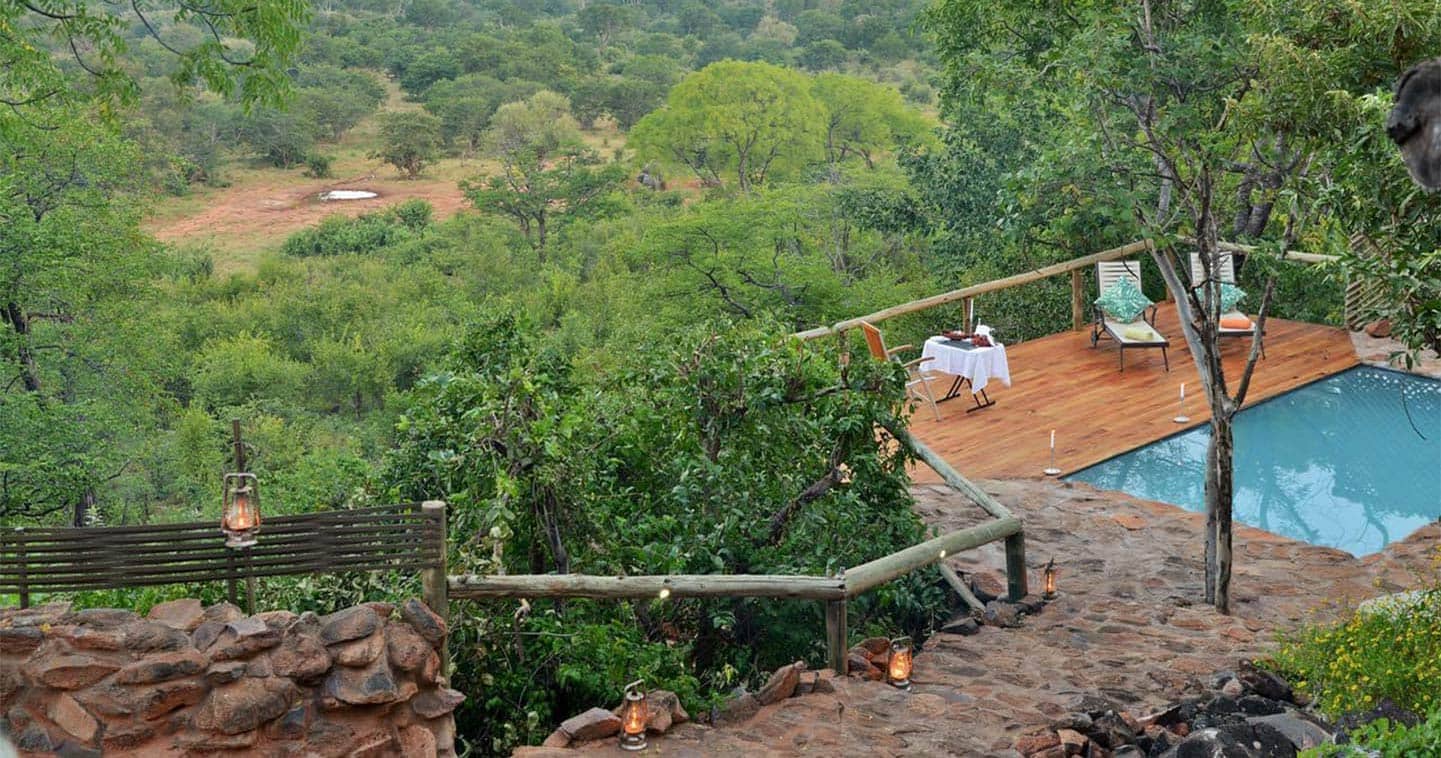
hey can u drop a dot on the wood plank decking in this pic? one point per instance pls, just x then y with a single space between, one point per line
1059 382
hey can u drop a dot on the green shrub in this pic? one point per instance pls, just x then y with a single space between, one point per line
318 165
339 235
1387 740
1373 654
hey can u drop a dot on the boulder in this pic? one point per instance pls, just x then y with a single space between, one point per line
360 652
1091 705
1075 720
349 624
279 620
371 685
162 667
738 709
292 725
1234 741
243 638
782 683
1380 329
1303 733
166 697
1386 709
1073 741
206 743
245 705
591 725
873 646
557 739
225 672
73 718
1255 705
1264 683
405 647
299 656
424 620
1110 730
436 703
664 711
20 641
91 638
101 617
1031 744
417 740
961 624
184 615
1001 613
154 637
69 672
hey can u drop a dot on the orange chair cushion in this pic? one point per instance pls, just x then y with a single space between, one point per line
1235 322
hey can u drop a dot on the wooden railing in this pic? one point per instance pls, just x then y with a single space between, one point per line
1075 267
833 591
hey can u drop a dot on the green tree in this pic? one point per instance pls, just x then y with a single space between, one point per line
862 118
547 174
751 120
410 141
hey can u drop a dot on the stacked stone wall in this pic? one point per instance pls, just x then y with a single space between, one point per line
188 681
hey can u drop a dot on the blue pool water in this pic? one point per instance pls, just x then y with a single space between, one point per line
1352 461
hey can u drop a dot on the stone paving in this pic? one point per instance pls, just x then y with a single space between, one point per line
1128 623
1377 351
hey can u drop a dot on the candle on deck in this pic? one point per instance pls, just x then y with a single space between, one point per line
1183 390
1053 439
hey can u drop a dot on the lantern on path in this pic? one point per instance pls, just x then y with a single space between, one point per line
633 717
1048 580
898 669
240 514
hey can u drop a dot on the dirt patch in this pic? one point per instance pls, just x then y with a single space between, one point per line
264 211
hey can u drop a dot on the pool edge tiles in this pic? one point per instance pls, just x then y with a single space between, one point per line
1334 462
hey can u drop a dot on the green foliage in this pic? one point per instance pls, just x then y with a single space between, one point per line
685 461
342 235
238 370
1387 740
410 140
747 120
282 137
317 165
1372 655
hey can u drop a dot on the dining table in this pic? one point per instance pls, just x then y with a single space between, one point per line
970 364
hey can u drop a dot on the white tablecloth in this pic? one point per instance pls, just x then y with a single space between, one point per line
979 365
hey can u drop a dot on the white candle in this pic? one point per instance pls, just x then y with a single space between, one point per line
1053 439
1183 390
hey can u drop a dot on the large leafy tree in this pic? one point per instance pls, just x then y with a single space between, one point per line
750 121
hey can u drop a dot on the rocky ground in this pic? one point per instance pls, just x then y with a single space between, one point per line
1128 625
1377 351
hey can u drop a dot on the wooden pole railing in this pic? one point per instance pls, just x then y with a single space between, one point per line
833 592
1074 266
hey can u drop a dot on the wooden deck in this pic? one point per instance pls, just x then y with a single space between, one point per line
1059 382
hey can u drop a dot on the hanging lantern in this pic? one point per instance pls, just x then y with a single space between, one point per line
240 516
898 670
1048 580
634 717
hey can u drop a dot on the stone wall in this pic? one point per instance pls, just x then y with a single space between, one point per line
189 680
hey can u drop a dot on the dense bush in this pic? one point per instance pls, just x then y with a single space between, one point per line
1391 653
689 460
340 235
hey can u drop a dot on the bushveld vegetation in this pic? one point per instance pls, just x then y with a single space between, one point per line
589 363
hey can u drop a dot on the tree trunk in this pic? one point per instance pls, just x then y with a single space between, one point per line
1223 444
20 322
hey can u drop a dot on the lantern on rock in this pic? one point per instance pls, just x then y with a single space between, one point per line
1048 580
898 669
634 716
240 515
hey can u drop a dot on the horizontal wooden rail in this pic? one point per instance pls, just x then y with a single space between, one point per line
649 586
869 576
1028 277
951 476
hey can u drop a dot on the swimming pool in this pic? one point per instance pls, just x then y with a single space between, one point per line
1352 461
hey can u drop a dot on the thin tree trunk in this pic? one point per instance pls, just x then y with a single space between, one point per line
1223 443
20 322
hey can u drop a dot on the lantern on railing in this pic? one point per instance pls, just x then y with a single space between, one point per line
240 516
634 716
1048 580
898 670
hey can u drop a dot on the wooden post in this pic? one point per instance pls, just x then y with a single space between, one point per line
433 583
1078 299
20 556
1016 585
836 635
250 589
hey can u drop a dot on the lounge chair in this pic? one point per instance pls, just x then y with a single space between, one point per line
1138 332
1234 323
918 380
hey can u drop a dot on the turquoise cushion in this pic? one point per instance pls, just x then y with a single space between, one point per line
1230 295
1122 301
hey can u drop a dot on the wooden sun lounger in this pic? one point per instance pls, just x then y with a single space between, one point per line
1107 272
